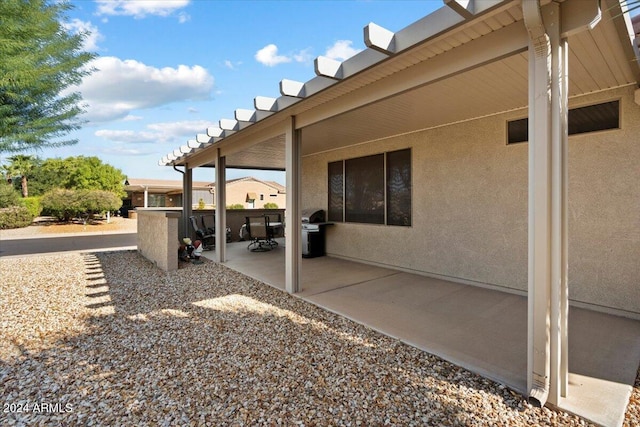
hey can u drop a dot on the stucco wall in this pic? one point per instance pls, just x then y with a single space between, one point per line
470 207
158 237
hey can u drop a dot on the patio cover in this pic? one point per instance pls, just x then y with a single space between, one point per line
465 61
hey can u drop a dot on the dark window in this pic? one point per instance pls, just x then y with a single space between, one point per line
581 120
368 189
336 189
399 187
364 189
594 118
518 131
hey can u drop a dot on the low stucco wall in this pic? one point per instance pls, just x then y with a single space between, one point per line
470 196
158 237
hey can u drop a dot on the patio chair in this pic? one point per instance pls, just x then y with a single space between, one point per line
209 224
259 235
208 239
278 229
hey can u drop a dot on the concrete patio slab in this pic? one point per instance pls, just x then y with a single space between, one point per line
479 329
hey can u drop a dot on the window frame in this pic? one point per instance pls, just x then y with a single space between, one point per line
341 166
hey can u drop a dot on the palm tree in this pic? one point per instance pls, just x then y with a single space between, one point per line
21 165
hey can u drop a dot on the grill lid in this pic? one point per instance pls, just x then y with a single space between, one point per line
312 215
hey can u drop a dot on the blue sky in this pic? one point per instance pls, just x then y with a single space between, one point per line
168 69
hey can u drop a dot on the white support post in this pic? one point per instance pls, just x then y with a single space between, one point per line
547 375
221 209
146 197
187 200
559 205
293 225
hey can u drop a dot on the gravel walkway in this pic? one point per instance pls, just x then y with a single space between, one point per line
107 339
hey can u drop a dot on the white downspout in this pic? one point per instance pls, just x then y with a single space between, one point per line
547 372
538 342
146 196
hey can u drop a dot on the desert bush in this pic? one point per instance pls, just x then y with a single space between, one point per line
8 195
68 204
236 206
97 201
33 205
63 204
271 205
15 217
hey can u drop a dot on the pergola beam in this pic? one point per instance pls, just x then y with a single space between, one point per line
292 88
263 103
379 38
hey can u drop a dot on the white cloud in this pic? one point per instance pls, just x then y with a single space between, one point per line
232 65
163 132
119 150
117 87
131 118
182 128
341 50
304 55
128 135
268 56
141 8
184 17
91 34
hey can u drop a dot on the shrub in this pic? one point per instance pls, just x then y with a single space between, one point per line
271 205
97 201
15 217
8 195
68 204
33 205
63 204
236 206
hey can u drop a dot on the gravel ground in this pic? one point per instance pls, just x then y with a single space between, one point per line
107 339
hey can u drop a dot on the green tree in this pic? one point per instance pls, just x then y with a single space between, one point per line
79 173
89 173
40 63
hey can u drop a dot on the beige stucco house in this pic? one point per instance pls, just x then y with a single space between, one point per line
253 193
248 191
493 143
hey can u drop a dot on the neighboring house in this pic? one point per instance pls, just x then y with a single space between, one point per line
152 193
254 193
442 149
248 192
